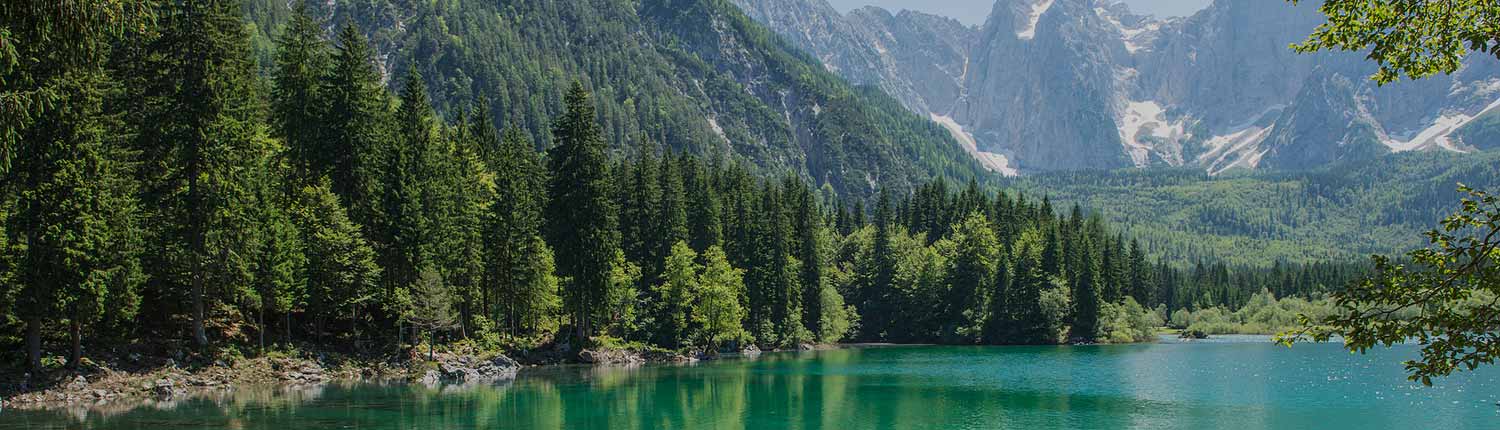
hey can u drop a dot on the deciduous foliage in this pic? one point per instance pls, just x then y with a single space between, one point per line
1408 38
1451 287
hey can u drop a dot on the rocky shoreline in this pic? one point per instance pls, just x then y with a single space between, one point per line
105 386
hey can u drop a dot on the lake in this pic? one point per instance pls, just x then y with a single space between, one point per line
1231 383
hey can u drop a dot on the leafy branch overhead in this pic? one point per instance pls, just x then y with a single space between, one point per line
1447 298
1408 38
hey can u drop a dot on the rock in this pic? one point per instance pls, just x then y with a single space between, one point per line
750 351
431 378
806 347
310 369
79 383
164 387
609 356
291 376
1193 335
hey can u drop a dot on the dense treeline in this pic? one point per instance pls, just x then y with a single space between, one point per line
159 189
1344 212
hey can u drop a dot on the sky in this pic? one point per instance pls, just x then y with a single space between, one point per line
973 12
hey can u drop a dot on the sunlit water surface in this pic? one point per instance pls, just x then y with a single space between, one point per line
1233 383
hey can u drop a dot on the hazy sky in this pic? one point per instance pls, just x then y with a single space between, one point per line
974 11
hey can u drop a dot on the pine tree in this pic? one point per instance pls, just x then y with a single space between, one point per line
410 184
581 223
519 264
1087 295
1142 283
1030 325
298 106
469 192
703 206
810 241
74 222
341 268
876 293
280 264
639 208
1052 252
205 140
432 306
670 224
355 129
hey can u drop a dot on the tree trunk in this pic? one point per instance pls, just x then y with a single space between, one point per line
431 344
75 329
288 328
261 321
354 325
200 337
34 342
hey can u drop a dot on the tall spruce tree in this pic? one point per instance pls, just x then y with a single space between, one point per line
703 208
1087 294
355 134
298 105
581 219
878 277
74 223
519 264
409 187
205 141
810 243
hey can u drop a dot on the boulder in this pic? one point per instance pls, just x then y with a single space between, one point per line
164 387
1193 334
609 356
750 351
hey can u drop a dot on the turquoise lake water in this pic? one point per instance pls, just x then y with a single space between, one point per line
1233 383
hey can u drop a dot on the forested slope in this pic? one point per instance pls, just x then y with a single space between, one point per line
1339 213
696 75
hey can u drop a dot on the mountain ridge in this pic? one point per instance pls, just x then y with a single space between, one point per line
1071 84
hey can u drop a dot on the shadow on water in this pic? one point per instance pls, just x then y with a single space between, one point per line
1167 385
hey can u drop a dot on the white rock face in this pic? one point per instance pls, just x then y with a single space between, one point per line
1069 84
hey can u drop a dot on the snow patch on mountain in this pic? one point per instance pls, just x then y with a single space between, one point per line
1137 36
1240 148
1143 124
1037 9
1436 134
993 161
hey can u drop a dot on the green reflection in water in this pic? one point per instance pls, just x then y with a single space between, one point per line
1246 384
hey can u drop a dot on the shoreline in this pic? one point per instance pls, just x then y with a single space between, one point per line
104 386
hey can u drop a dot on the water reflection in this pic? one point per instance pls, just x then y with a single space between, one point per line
1240 385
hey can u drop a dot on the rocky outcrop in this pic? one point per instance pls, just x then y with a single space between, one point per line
915 57
610 357
468 369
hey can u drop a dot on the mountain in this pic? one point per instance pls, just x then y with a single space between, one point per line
1078 84
692 75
